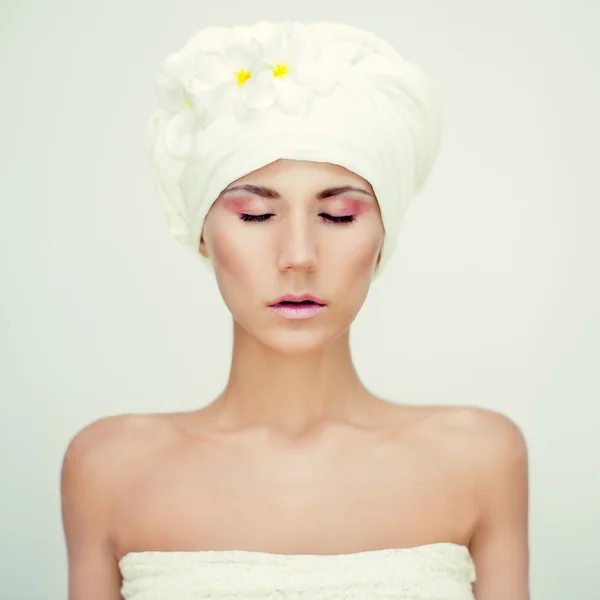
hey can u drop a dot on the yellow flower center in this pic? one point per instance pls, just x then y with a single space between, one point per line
280 70
242 76
189 104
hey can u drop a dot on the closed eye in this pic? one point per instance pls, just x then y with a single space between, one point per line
343 219
245 217
326 217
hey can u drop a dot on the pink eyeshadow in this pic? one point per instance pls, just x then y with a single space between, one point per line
355 207
347 205
237 204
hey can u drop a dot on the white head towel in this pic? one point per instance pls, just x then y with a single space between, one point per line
233 100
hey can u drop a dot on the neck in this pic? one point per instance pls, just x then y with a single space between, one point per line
290 395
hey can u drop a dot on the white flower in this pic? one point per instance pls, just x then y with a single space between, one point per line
257 68
180 122
179 119
292 55
233 78
241 71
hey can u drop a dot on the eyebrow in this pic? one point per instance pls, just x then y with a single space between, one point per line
266 192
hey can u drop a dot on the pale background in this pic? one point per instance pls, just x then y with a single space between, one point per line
492 298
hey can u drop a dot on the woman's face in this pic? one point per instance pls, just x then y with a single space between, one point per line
296 247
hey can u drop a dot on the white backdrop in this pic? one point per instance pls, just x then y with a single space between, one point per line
492 298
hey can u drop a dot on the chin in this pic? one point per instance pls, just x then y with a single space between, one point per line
295 343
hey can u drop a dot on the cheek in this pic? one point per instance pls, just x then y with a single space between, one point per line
238 268
228 252
232 269
369 250
359 254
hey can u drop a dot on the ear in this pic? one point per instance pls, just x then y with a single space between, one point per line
202 247
378 259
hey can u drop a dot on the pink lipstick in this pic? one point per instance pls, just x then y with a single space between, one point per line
298 307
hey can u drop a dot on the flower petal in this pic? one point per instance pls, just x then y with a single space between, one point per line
243 56
315 77
240 49
180 66
199 96
170 93
220 102
272 41
259 91
292 97
243 112
210 101
212 70
178 134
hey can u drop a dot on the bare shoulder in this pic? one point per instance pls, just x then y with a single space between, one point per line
490 444
99 461
493 450
481 440
99 456
500 455
477 428
108 440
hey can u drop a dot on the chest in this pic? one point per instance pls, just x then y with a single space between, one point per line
384 495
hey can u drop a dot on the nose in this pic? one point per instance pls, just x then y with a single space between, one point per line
297 244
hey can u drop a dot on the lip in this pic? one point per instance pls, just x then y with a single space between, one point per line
293 298
300 311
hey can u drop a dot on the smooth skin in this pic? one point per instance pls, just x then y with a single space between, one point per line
296 456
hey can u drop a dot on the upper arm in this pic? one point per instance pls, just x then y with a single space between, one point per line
86 507
499 545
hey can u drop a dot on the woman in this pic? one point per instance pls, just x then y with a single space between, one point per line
285 156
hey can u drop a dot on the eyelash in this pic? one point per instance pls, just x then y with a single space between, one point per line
338 220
